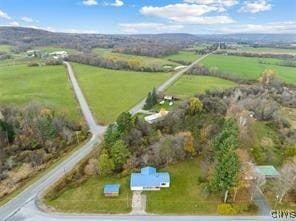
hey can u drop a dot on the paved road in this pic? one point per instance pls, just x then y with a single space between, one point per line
23 207
31 192
166 84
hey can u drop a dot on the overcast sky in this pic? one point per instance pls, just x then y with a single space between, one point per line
152 16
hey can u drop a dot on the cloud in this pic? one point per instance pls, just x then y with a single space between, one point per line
255 6
226 3
4 15
27 19
90 2
14 23
188 13
118 3
149 27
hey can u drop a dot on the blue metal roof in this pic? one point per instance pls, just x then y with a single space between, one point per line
111 188
149 178
148 170
267 170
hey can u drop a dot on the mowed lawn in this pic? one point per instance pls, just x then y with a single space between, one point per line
267 50
189 85
49 85
88 197
186 195
5 48
249 67
110 92
183 56
144 60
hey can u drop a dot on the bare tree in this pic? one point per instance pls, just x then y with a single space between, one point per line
287 179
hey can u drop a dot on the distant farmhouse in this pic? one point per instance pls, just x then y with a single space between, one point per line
149 179
58 54
34 54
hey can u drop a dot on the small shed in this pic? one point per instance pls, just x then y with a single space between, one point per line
111 190
268 171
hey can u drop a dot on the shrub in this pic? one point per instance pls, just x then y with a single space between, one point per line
290 151
33 64
226 209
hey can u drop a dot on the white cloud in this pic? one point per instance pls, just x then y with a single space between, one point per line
149 27
14 23
90 2
4 15
255 6
118 3
27 19
188 13
226 3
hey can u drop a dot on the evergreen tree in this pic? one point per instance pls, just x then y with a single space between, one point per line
119 154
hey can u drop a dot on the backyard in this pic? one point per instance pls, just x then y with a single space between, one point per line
109 92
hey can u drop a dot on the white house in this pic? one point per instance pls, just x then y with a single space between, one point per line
59 54
149 179
155 117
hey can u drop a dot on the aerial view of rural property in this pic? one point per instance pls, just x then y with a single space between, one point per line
153 110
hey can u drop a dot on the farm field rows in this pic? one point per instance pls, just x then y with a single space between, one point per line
49 85
249 67
110 92
189 85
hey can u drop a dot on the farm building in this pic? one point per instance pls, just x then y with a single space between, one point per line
268 171
149 179
59 54
155 117
111 190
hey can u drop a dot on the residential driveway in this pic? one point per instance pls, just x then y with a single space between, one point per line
138 203
261 203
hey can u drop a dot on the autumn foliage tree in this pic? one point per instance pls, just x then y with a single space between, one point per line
194 106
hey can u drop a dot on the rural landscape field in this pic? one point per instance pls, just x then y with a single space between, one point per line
147 110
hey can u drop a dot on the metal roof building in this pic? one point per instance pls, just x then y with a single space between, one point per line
268 171
149 179
111 189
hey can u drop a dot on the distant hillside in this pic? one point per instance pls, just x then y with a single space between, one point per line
159 44
146 44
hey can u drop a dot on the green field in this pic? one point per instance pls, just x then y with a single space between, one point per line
49 85
189 85
50 49
185 195
144 60
88 197
183 56
110 92
249 67
266 50
5 48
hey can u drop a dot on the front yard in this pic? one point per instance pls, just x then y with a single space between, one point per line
89 197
